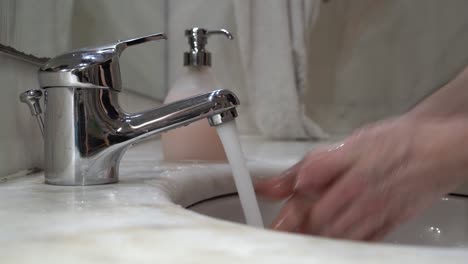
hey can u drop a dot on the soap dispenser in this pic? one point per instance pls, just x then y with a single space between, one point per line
197 141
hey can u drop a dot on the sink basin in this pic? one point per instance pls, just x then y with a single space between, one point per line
445 224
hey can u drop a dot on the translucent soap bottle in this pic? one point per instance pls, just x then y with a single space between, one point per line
197 141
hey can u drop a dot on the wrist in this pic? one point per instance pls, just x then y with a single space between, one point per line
442 142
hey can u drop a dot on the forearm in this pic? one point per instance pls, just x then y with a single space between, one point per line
449 101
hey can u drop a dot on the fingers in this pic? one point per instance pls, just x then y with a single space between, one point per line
368 224
278 188
353 216
334 202
391 223
368 218
321 168
380 233
293 214
311 174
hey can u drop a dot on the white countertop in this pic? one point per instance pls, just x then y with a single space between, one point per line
138 219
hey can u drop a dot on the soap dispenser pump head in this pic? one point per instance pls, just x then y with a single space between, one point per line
197 39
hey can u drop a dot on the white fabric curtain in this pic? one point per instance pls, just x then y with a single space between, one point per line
272 43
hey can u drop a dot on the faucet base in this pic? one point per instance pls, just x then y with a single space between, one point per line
110 181
76 178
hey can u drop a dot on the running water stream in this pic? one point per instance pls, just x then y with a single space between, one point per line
230 139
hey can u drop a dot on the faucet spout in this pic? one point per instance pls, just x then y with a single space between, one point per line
218 106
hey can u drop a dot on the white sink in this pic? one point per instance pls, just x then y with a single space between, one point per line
445 224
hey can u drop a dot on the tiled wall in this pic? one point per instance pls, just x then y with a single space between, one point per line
143 67
20 138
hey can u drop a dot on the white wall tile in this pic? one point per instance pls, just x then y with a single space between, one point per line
102 21
21 144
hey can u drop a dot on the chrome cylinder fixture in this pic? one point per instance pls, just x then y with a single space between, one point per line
85 130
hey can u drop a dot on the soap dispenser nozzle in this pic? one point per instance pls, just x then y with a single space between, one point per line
221 32
197 39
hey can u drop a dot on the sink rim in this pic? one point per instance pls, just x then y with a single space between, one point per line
204 173
452 199
155 182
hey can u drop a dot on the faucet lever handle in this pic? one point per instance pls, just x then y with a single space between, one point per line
92 67
123 44
32 99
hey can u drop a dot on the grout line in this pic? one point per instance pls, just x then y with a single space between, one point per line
166 49
12 52
19 174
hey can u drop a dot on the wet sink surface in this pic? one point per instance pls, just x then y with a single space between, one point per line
143 219
445 224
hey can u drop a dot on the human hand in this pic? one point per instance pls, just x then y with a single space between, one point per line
378 178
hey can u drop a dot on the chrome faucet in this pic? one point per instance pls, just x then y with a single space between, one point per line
85 130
